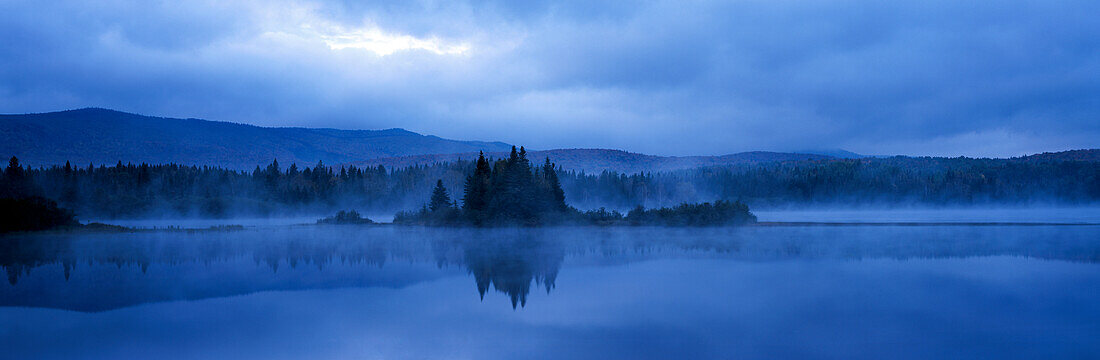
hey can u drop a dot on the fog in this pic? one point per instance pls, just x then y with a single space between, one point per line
917 214
321 291
141 191
100 271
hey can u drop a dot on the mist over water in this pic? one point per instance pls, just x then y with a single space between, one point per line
636 292
1054 215
203 223
858 215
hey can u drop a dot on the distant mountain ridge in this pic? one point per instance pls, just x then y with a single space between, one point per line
1070 155
104 136
597 160
837 153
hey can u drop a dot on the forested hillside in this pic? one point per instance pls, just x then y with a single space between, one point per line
1071 155
105 137
598 160
100 136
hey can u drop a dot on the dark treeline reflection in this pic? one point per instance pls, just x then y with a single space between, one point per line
95 272
511 264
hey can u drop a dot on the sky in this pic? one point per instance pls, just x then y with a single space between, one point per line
949 78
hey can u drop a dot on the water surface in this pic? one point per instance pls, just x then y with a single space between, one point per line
397 292
1024 215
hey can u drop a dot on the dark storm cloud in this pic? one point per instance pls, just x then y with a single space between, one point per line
669 77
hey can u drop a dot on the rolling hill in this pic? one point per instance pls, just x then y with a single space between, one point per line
1091 155
597 160
103 136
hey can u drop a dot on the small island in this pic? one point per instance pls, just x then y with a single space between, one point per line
512 192
346 217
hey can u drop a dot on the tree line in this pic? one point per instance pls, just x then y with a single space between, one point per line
897 180
142 190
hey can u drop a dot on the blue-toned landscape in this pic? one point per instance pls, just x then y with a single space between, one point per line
550 179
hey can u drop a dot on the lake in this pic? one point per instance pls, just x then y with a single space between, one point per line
303 291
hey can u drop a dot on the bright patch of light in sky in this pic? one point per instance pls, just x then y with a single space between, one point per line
306 22
380 42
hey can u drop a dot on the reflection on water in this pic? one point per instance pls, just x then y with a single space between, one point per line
511 263
336 292
97 272
1073 215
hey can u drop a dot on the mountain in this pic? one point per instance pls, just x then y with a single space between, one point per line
1071 155
837 153
597 160
104 136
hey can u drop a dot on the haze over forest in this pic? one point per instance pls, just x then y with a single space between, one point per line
109 164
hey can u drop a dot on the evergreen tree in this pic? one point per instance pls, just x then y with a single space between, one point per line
14 170
475 198
510 199
69 186
16 183
556 193
271 176
440 199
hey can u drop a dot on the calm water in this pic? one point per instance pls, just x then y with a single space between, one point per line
392 292
1063 215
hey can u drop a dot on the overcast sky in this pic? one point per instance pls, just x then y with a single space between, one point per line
976 78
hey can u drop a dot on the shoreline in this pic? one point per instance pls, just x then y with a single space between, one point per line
916 223
109 228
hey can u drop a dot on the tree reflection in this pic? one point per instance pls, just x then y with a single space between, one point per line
19 255
510 261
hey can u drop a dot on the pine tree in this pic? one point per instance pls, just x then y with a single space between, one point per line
475 198
510 191
16 183
14 170
556 195
440 199
69 190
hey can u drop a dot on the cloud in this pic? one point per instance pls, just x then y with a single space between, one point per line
381 43
666 77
